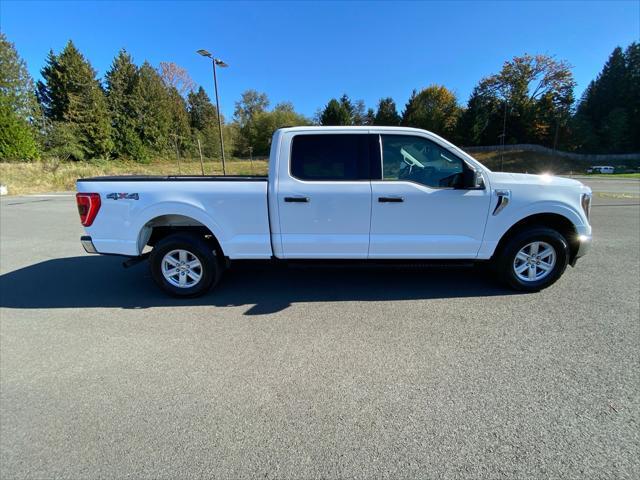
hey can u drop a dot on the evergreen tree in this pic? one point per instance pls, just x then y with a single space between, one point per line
16 85
583 135
606 119
370 117
16 135
71 93
632 60
121 81
336 113
62 141
52 94
202 112
615 131
344 111
203 119
18 106
410 109
479 123
356 110
387 114
92 119
179 130
608 90
153 111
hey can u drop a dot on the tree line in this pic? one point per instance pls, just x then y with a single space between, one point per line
140 112
531 100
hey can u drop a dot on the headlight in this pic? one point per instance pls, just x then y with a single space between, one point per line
586 204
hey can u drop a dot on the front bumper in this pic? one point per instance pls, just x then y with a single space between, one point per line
584 245
87 244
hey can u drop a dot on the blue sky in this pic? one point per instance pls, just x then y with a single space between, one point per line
308 52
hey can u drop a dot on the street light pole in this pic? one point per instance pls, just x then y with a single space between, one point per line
214 62
215 84
504 136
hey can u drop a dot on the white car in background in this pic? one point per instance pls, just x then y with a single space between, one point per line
601 169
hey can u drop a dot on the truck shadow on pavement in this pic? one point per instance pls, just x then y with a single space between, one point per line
101 282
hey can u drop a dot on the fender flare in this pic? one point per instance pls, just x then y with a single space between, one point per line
177 208
543 207
489 245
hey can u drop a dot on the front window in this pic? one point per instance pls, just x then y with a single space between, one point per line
419 160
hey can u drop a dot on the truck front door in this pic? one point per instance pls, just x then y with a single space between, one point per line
416 212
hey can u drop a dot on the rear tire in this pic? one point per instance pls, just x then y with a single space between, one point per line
533 259
184 265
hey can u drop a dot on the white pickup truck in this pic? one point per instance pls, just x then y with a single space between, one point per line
368 193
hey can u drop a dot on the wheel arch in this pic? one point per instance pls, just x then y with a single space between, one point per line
556 221
157 223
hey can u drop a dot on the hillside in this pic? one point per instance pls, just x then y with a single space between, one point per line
536 162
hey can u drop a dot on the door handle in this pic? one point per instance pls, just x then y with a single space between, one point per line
296 199
390 199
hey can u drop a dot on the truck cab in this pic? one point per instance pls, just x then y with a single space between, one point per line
363 193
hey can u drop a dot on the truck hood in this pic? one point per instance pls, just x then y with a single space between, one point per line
504 179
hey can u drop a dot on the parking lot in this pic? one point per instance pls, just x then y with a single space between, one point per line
315 372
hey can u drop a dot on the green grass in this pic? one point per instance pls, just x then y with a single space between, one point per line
615 175
51 176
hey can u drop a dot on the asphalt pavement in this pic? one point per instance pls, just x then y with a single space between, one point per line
314 372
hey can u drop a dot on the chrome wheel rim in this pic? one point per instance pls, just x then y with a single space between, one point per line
181 268
534 261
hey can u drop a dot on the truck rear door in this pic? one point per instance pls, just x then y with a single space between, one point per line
324 195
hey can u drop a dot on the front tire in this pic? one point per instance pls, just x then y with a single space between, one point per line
533 259
184 265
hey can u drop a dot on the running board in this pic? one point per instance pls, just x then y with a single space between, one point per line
301 263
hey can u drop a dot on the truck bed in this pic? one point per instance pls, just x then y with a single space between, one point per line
234 209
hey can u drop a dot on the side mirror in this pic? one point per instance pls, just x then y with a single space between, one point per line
471 179
478 180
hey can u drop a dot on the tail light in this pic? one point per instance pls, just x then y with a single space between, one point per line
88 206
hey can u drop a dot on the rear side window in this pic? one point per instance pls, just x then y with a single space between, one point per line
330 157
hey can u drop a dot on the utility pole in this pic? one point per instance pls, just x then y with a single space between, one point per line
220 63
555 137
215 83
503 136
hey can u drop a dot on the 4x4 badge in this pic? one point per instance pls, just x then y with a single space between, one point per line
123 196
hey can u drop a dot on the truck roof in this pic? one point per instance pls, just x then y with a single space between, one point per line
368 128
